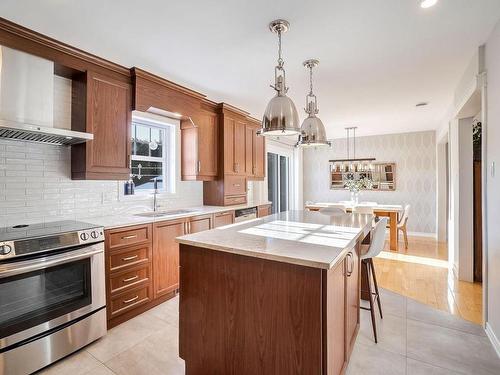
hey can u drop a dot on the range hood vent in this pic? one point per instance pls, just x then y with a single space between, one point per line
39 134
27 101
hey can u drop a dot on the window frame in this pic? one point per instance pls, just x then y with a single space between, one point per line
168 158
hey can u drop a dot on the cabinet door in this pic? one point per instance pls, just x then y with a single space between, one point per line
229 162
207 145
352 297
239 148
166 256
263 211
109 119
259 154
249 150
336 319
199 224
224 218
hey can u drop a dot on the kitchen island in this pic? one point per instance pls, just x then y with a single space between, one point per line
278 295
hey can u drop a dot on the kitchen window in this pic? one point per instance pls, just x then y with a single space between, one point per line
153 155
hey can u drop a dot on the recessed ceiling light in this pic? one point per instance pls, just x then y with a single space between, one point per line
427 3
421 104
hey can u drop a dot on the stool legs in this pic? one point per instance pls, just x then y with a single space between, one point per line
367 265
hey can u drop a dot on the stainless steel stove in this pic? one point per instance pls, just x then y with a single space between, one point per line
52 292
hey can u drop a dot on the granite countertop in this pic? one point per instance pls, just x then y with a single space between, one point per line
299 237
127 219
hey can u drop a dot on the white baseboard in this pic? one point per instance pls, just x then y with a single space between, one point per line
493 338
423 234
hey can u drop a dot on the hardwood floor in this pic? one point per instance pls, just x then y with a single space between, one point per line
422 273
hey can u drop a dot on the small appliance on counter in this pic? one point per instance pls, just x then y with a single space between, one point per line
52 292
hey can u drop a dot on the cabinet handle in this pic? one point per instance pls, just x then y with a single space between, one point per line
129 237
189 226
349 264
130 279
131 299
199 166
126 259
236 185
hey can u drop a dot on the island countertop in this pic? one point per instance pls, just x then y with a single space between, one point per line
298 237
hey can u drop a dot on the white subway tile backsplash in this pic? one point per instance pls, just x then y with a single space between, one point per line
36 185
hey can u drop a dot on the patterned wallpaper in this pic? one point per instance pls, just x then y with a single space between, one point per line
415 158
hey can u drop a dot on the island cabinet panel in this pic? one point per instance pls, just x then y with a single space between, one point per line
102 106
244 315
353 285
223 218
335 359
166 256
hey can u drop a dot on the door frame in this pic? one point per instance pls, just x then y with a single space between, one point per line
295 187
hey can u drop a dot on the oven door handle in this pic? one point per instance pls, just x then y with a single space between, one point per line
12 269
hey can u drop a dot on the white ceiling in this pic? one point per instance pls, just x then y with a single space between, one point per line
378 57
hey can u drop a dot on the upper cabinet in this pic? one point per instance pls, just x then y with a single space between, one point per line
255 151
102 106
199 138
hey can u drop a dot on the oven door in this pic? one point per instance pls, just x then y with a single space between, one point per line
41 294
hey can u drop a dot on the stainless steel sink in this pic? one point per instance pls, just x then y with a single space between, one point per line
165 213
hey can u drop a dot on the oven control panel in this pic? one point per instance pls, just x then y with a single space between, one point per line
91 235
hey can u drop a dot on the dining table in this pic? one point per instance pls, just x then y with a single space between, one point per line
391 211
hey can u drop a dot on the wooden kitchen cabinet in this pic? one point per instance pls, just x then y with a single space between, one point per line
199 223
259 157
255 151
166 256
102 106
199 147
353 285
223 218
234 144
264 210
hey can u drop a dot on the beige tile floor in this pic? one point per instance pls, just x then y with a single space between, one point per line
414 339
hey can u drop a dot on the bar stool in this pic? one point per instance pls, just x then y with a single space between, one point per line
370 287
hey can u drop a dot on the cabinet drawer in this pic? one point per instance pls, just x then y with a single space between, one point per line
235 185
130 278
228 201
129 300
223 218
129 256
129 236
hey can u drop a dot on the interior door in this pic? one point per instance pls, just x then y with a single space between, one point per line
278 177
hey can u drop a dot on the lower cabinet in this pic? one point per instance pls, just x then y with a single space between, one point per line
264 210
142 263
223 218
166 256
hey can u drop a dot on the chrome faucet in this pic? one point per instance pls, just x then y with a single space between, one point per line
155 193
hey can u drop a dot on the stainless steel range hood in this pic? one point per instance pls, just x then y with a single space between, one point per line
27 101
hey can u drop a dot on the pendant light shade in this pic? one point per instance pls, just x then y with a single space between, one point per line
312 131
280 117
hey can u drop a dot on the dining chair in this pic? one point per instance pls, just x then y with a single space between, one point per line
402 224
334 207
374 249
362 210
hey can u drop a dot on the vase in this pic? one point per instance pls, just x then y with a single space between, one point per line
355 197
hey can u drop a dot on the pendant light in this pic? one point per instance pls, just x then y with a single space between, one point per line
312 130
281 117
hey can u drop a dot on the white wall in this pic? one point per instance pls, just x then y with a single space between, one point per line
36 185
415 158
493 184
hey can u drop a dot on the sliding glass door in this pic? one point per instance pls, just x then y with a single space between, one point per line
278 176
